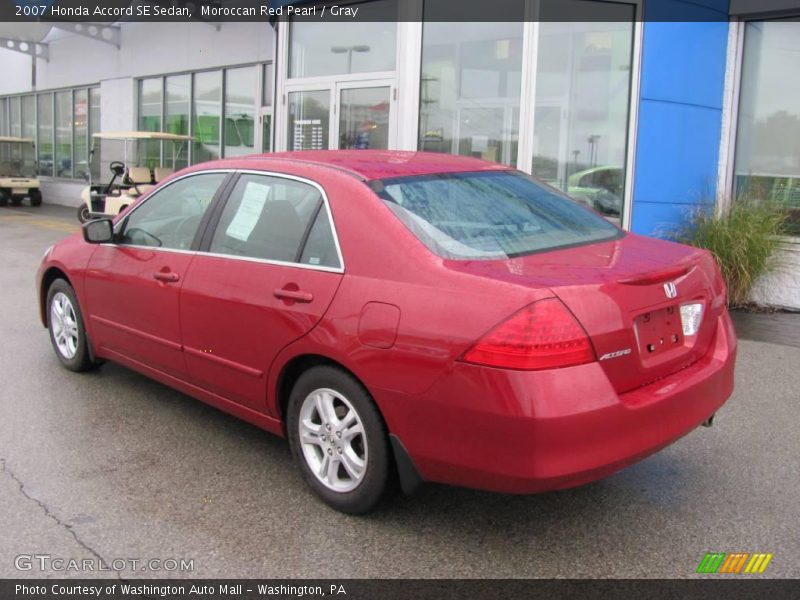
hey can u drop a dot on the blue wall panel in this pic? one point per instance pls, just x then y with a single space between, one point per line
680 113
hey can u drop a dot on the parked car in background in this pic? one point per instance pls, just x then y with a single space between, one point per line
124 165
399 314
600 188
18 179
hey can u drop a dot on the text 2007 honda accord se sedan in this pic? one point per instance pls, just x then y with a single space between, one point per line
408 316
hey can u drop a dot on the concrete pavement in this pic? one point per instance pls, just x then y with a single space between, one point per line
112 465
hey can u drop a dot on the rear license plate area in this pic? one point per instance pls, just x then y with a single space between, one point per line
659 331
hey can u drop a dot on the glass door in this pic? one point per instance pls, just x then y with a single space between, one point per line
352 115
264 133
365 116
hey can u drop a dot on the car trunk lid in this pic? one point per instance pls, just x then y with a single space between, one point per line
627 294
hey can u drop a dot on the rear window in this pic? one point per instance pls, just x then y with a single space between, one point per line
490 215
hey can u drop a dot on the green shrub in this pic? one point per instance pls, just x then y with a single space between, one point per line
744 240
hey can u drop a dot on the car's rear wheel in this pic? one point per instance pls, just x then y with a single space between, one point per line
339 439
65 323
83 213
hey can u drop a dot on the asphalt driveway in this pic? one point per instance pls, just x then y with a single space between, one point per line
112 466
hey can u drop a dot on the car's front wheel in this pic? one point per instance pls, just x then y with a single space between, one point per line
83 213
65 323
339 439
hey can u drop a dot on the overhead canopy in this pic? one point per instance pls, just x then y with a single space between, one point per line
142 135
25 32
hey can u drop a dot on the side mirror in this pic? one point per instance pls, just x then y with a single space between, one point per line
100 231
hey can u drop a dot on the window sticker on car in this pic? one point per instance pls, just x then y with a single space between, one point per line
253 199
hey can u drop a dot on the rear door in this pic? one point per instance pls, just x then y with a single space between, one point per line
133 285
269 269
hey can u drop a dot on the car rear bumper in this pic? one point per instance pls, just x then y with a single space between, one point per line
526 432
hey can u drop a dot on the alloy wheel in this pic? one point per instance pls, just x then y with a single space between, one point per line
64 325
332 440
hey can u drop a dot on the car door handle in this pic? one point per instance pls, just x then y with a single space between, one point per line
296 295
167 277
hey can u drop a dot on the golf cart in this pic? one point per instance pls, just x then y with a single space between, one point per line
127 164
18 172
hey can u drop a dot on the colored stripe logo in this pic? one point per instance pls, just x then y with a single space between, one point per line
734 563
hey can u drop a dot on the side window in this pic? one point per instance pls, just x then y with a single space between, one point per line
271 218
169 218
320 249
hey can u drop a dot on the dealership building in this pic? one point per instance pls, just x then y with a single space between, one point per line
642 117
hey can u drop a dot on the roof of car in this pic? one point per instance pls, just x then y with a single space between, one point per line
385 164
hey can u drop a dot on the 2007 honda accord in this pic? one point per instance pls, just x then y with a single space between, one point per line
401 316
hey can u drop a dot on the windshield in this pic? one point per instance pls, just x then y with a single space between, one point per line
490 215
17 159
166 155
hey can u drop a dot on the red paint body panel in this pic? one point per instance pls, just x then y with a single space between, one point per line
234 326
399 318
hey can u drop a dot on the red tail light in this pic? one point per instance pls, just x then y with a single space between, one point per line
544 335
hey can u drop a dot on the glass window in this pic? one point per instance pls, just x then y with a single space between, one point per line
4 116
170 217
207 113
63 131
94 111
177 111
364 118
150 93
241 86
45 147
582 104
489 215
15 118
320 248
767 165
367 45
28 117
268 84
470 87
80 117
309 120
268 218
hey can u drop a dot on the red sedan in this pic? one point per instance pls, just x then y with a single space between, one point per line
401 315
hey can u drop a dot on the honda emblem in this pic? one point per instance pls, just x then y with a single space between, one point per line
670 289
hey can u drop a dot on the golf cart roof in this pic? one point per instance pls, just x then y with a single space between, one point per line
15 140
142 135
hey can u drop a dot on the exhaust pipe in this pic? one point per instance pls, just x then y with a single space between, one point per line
709 421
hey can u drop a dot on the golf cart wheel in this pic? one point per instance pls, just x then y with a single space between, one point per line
16 200
36 197
3 198
83 213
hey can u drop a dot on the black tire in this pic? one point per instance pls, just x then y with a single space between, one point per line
81 360
83 213
16 200
36 197
3 198
374 482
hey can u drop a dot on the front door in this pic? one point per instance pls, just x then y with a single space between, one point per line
351 115
263 280
132 287
364 116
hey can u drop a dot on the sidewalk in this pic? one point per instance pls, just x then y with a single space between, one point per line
775 328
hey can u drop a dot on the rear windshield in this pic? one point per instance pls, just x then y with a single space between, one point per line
490 215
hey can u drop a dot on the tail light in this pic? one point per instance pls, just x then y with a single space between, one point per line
543 335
